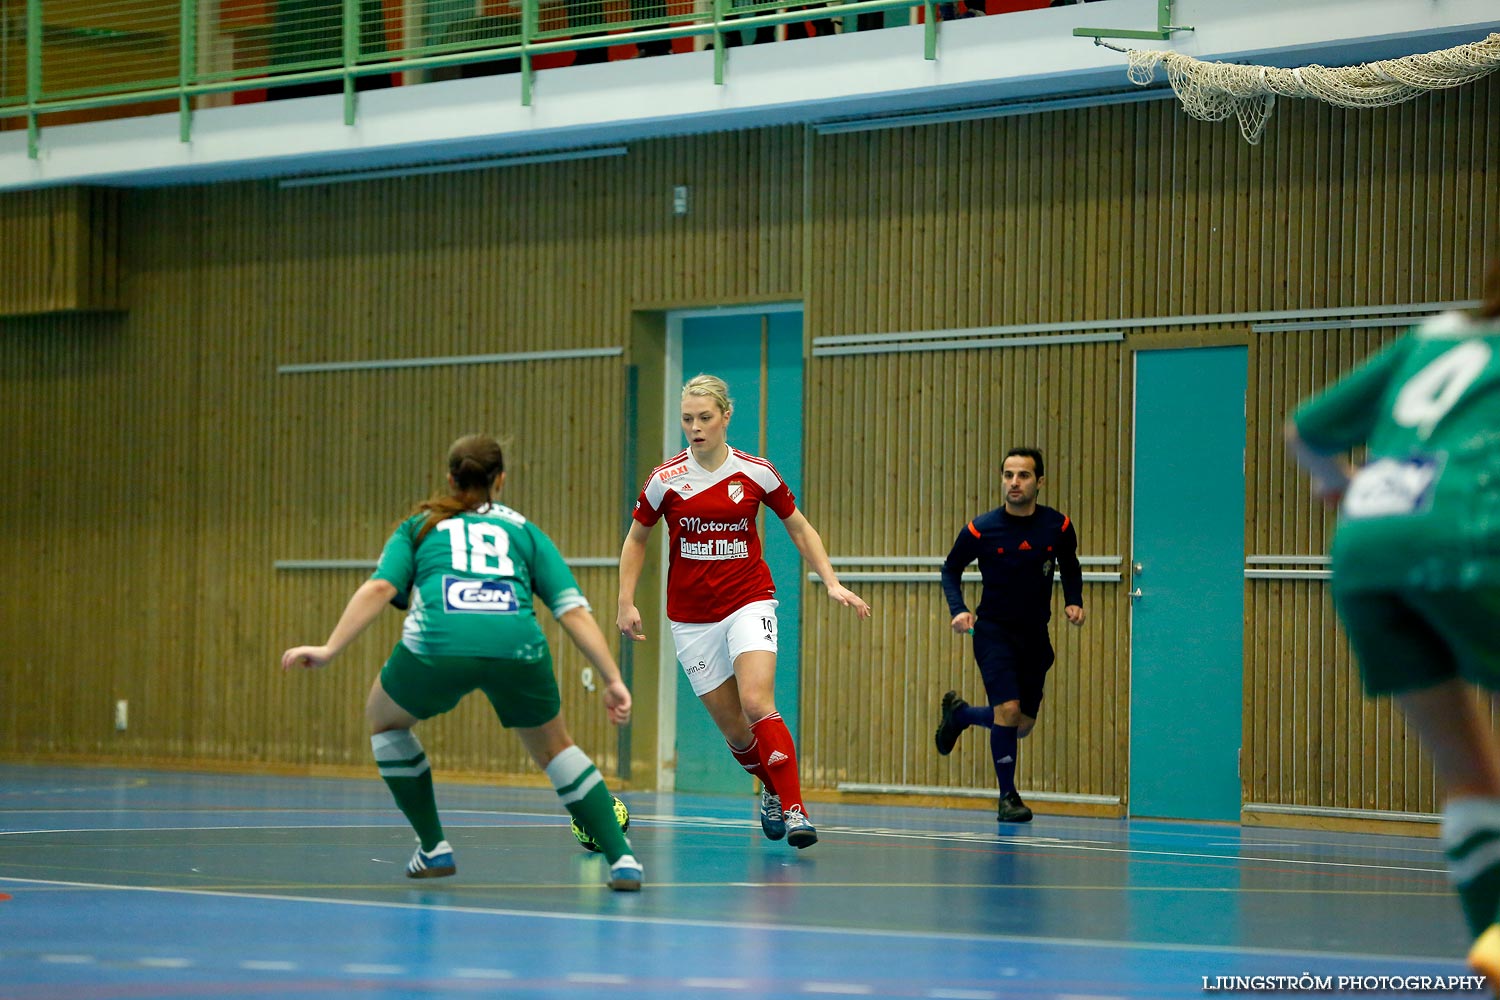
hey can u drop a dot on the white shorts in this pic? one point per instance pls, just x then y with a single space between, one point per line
707 650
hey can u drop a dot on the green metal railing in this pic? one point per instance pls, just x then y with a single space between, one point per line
88 54
1164 27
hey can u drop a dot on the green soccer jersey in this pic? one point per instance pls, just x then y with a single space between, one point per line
1424 511
471 581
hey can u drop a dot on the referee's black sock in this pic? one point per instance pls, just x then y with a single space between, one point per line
976 715
1003 750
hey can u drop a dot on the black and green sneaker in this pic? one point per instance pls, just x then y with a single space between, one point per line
1012 809
948 730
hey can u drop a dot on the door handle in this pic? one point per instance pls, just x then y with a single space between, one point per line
1135 595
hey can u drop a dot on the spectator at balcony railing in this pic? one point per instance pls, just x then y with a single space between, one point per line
656 12
977 8
954 11
309 35
586 14
764 33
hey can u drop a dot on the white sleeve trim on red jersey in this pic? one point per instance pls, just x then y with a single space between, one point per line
764 474
655 490
672 462
760 470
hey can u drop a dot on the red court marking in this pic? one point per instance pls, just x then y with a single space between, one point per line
3 897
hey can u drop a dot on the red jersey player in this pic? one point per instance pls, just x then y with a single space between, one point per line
720 597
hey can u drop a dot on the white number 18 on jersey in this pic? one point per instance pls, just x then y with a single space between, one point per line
482 548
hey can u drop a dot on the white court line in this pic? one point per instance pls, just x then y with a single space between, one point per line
597 978
208 829
699 983
262 965
1261 844
839 989
1052 843
801 929
483 974
166 963
1058 843
18 792
705 821
274 810
388 825
372 969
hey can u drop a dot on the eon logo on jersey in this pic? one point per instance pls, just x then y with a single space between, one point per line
490 596
1392 487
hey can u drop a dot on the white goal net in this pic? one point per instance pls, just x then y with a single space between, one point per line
1213 91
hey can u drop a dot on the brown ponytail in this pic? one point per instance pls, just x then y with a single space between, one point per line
474 462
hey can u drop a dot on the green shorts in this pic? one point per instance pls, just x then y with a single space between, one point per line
524 693
1407 640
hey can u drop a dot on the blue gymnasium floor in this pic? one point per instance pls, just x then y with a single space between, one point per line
171 885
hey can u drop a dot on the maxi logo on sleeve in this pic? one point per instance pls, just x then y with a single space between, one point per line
485 596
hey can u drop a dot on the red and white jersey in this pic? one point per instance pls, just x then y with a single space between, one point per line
715 566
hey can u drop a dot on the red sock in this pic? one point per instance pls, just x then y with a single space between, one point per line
780 758
749 759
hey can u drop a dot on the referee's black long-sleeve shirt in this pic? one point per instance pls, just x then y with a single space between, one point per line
1017 557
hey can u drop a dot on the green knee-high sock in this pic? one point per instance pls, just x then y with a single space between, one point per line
403 765
1471 839
582 790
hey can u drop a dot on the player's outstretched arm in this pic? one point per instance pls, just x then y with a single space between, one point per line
632 559
363 608
1330 474
810 544
581 627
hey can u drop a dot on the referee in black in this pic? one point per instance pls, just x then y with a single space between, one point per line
1018 546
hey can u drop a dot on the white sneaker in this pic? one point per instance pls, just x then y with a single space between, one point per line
772 819
436 863
625 874
800 832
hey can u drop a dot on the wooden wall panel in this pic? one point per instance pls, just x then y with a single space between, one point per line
174 465
1334 209
936 425
1323 743
61 251
189 465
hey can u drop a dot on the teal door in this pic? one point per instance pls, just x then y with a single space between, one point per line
1187 583
760 356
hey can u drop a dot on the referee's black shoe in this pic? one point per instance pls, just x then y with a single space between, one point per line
948 729
1012 809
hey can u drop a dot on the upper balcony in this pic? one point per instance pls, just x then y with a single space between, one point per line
150 92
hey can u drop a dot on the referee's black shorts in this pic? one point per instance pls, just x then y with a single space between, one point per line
1013 660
